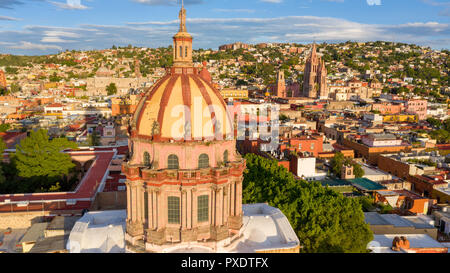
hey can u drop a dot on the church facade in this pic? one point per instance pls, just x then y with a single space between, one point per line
315 77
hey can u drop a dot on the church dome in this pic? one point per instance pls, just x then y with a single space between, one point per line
182 106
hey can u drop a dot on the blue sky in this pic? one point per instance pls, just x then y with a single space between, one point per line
36 27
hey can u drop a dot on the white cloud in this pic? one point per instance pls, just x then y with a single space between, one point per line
8 18
212 32
167 2
374 2
70 4
272 1
31 46
235 10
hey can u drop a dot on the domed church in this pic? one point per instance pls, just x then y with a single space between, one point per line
184 176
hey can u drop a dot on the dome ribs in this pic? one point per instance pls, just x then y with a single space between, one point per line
187 100
165 98
148 98
207 98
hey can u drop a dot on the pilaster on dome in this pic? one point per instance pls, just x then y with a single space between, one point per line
182 43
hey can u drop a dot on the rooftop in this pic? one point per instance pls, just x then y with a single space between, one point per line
366 184
383 243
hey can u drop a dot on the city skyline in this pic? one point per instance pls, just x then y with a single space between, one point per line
37 27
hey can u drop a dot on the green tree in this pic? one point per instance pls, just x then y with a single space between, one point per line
94 139
14 88
111 89
324 220
37 156
4 127
339 160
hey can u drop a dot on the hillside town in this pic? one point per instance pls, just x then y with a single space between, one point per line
369 121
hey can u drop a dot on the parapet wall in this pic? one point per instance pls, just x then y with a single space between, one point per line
18 220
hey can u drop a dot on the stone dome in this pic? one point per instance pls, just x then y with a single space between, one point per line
182 106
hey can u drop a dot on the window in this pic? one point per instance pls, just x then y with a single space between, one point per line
225 156
147 159
312 146
186 51
300 146
173 211
181 51
203 208
172 162
203 161
146 206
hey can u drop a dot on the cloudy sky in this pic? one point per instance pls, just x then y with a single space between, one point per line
36 27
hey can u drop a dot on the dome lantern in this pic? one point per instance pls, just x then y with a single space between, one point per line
182 43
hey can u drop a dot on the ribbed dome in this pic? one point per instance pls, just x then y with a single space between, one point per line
181 98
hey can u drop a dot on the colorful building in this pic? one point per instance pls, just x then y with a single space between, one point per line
184 179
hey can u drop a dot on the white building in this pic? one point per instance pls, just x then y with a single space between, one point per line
381 140
264 228
306 169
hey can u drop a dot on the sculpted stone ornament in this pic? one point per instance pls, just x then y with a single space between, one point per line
155 128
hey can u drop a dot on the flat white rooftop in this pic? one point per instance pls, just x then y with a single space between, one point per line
383 243
264 228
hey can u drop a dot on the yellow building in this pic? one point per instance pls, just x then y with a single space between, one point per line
400 118
234 94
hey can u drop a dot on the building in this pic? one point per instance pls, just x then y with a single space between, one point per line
305 167
315 77
3 83
396 224
381 140
312 144
235 94
417 107
281 85
11 139
369 153
184 183
387 108
234 46
404 201
125 105
406 243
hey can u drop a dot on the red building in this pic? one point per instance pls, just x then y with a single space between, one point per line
311 144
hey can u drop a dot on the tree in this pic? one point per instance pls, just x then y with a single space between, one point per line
37 156
4 127
339 160
2 148
94 139
14 88
324 220
111 89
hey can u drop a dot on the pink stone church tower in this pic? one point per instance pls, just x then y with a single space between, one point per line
281 85
315 77
184 175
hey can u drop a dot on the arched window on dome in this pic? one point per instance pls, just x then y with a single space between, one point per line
181 51
186 51
203 161
173 163
225 157
147 159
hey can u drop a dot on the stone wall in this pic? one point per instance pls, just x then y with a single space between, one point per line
110 201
